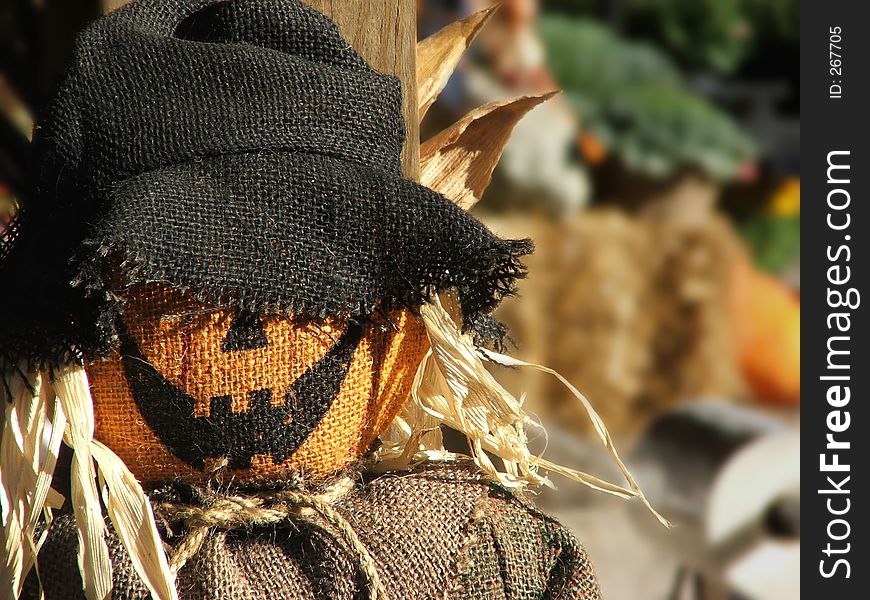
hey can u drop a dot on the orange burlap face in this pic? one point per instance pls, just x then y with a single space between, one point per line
185 395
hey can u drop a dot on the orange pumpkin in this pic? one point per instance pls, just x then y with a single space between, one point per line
192 391
767 319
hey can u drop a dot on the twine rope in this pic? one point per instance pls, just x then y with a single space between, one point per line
272 508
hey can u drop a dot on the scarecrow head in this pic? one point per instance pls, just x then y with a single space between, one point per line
222 235
222 270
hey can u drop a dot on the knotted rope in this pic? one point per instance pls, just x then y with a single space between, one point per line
269 508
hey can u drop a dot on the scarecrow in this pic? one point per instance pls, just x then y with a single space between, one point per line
248 326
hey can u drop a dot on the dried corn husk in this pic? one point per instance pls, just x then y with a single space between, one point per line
126 503
40 416
133 518
438 55
459 161
598 424
454 388
72 389
31 434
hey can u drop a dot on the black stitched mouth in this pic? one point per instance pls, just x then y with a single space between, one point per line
265 429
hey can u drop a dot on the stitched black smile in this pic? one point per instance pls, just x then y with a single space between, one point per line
265 429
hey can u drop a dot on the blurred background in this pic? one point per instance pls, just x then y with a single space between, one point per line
662 189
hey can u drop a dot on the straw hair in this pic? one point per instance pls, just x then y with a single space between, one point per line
46 408
93 554
454 388
30 438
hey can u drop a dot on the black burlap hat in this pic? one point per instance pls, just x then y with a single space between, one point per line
238 150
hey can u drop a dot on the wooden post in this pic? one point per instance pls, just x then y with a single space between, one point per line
384 32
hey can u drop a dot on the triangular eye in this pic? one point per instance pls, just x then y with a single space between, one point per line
246 333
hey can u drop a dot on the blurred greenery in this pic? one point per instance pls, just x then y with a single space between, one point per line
716 35
632 98
589 55
773 240
719 35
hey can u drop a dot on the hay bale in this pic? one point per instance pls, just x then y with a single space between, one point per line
633 310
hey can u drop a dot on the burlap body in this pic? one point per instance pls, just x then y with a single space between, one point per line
437 532
316 430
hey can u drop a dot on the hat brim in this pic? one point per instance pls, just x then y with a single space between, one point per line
298 233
